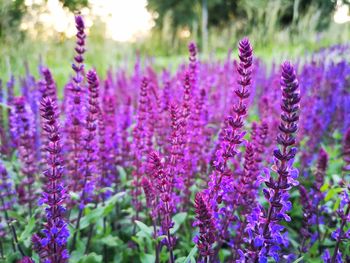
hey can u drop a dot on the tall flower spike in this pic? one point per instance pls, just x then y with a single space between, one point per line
204 220
346 151
75 114
266 235
343 212
140 146
322 164
192 48
51 245
24 126
47 86
90 136
232 134
90 153
163 185
307 219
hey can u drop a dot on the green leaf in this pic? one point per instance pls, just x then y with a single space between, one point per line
178 221
148 258
28 230
122 174
91 258
111 241
101 211
331 193
324 187
144 228
190 256
336 204
298 260
4 105
74 195
337 135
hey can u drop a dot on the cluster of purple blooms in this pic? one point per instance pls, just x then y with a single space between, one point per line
214 142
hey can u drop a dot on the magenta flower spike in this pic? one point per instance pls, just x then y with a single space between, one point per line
205 222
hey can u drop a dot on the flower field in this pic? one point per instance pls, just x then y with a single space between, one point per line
232 160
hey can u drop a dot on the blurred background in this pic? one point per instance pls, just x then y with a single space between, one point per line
34 31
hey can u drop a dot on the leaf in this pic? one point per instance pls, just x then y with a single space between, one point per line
298 260
28 230
336 204
324 187
91 258
332 192
147 258
5 105
178 221
122 174
144 228
190 256
101 211
111 202
111 241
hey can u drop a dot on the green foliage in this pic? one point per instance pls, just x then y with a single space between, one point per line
75 5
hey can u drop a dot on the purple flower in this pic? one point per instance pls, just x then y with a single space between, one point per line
204 220
346 151
266 223
75 114
47 86
23 124
140 145
7 191
221 186
163 186
51 243
90 138
26 260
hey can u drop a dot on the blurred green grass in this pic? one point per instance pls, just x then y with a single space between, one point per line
104 54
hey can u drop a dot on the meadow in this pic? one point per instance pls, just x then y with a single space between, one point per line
235 157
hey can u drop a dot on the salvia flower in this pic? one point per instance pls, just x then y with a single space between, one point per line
232 134
91 124
24 126
221 186
266 235
341 234
346 152
47 86
76 112
308 212
51 243
205 222
163 185
7 191
140 146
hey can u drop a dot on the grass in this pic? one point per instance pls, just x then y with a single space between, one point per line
104 54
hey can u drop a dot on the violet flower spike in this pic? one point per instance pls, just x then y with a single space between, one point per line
75 115
90 157
232 134
344 210
51 244
24 126
264 230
